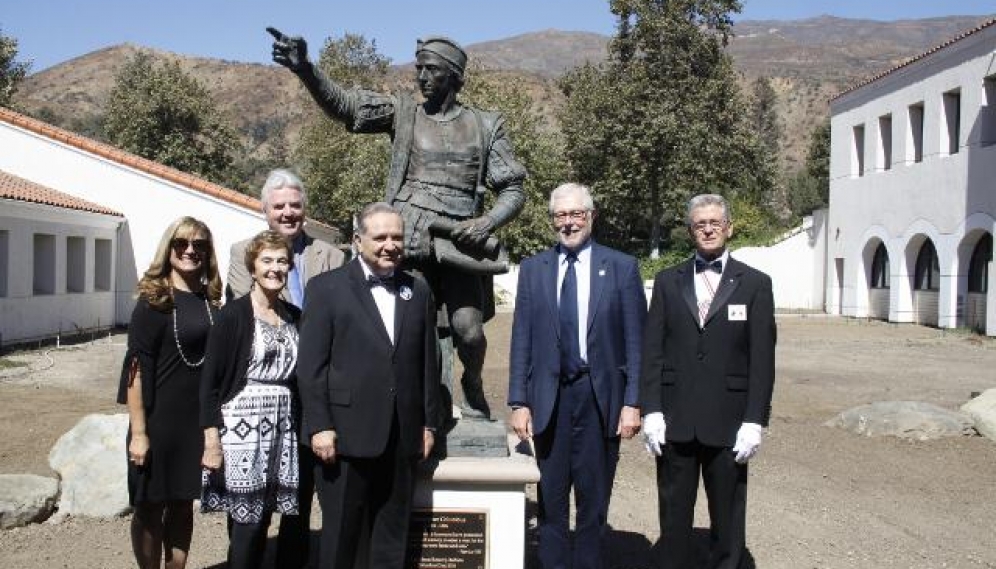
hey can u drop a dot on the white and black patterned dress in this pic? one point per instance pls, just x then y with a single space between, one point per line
259 438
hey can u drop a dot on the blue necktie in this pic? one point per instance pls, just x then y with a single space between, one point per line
294 285
570 352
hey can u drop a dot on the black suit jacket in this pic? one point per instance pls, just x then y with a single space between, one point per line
709 379
352 378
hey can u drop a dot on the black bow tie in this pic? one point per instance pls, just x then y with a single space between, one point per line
703 265
387 282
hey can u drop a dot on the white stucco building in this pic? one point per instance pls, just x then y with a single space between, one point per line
913 190
67 267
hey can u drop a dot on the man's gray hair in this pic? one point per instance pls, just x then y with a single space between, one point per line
703 200
278 179
372 209
569 188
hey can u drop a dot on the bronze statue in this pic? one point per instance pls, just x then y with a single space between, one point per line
445 157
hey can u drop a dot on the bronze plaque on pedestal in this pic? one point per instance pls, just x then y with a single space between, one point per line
447 539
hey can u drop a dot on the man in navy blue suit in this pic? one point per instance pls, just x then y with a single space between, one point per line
574 375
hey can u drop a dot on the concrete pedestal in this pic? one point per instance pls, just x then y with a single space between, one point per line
477 510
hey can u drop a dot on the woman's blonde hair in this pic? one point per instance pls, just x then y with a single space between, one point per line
155 285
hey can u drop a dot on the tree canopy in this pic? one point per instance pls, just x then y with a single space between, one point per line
158 111
342 170
662 120
12 71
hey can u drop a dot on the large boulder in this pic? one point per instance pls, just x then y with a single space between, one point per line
982 410
26 498
91 461
904 419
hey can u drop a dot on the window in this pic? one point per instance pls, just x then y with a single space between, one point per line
858 155
101 264
978 267
75 264
44 264
928 270
914 137
987 114
4 260
880 268
885 142
951 134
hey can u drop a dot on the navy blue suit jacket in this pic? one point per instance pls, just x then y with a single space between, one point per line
617 308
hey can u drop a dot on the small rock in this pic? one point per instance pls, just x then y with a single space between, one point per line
90 459
982 410
904 419
26 499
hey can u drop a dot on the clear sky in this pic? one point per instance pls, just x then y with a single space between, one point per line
53 31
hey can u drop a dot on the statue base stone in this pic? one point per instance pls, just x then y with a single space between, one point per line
470 511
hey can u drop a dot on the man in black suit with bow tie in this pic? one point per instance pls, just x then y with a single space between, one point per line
707 375
369 382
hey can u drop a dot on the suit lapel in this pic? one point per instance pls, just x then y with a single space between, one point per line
598 270
686 278
549 284
401 304
729 283
361 290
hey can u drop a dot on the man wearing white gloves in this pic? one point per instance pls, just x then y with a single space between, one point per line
705 387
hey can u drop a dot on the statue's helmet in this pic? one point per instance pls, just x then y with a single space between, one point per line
445 48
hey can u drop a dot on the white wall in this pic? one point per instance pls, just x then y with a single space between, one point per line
25 315
946 197
794 265
149 203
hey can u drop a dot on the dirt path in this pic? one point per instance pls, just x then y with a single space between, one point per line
818 497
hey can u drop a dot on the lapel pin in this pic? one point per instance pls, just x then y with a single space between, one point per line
405 292
601 272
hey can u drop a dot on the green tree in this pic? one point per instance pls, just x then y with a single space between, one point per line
662 120
158 111
537 145
341 170
12 72
809 188
765 115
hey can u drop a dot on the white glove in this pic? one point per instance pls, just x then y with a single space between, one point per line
748 441
654 429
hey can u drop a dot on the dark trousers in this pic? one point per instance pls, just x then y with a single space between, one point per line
574 452
247 542
365 507
678 470
294 539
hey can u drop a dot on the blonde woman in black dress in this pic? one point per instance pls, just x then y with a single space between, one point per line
177 304
249 408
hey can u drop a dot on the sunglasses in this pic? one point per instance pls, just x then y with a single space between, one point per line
180 244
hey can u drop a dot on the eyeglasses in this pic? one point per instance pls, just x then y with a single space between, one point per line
714 224
573 215
180 244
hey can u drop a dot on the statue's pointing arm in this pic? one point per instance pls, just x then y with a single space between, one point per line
292 53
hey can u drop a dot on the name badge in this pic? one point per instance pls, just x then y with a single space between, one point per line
736 313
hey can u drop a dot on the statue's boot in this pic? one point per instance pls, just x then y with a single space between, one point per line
475 404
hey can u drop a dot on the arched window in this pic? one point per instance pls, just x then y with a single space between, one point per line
928 270
880 268
978 267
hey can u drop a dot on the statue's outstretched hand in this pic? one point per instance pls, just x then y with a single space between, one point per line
291 52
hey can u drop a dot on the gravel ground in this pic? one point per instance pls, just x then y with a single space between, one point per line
818 498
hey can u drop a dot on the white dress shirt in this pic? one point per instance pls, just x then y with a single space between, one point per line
385 300
582 270
702 290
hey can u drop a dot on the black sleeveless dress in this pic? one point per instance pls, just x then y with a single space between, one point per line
171 397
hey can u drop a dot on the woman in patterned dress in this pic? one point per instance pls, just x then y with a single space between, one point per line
176 306
249 408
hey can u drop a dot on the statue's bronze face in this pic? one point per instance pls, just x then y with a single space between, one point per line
434 76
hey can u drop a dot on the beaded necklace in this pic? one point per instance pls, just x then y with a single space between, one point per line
176 332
